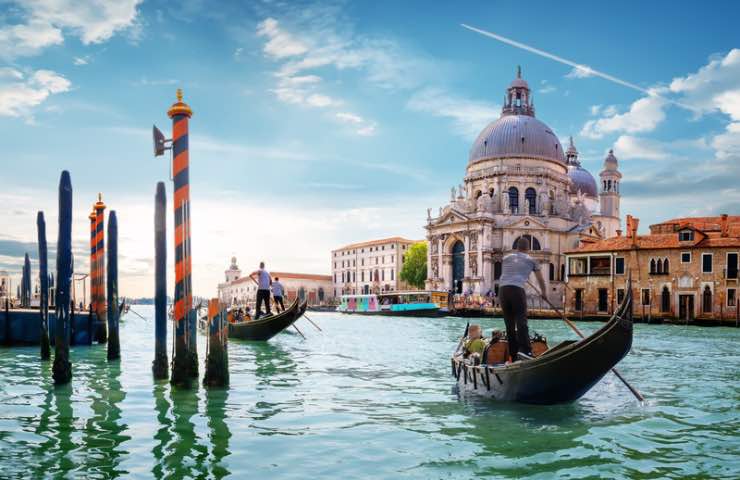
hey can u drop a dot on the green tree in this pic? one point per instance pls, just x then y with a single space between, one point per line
414 270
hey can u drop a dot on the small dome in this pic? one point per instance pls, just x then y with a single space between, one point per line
517 136
582 180
610 162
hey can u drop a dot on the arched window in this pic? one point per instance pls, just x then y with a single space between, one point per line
534 244
552 272
514 199
609 184
665 266
652 265
659 266
665 300
478 194
496 270
531 195
707 300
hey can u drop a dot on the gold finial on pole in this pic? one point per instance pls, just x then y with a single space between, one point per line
179 94
179 107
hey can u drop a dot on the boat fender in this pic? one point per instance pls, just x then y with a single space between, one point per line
499 379
475 378
487 379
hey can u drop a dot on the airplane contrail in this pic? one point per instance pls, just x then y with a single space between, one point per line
585 69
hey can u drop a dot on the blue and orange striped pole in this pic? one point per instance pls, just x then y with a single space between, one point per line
101 315
93 273
185 361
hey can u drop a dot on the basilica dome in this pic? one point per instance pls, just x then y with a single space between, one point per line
517 133
582 180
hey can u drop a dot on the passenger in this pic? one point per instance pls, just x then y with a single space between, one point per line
475 344
516 269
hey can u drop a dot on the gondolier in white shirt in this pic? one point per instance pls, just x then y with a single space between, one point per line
277 295
263 291
515 271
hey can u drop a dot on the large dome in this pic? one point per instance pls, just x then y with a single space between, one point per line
517 136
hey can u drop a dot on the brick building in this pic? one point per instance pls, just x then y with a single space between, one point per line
686 269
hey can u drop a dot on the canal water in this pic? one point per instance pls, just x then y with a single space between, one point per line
370 397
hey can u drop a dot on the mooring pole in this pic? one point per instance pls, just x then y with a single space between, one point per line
26 289
185 361
217 360
114 345
100 314
62 368
159 366
92 327
44 283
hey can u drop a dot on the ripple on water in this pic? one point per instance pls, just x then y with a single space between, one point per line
370 397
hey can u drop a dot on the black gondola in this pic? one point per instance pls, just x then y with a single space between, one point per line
268 326
562 374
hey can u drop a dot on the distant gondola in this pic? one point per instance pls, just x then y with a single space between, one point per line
268 326
561 374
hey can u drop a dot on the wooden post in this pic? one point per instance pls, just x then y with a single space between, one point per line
159 366
185 362
8 340
101 315
217 360
92 322
114 345
62 369
44 285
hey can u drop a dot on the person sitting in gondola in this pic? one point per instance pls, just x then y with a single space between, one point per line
516 268
474 344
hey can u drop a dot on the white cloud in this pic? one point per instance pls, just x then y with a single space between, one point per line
581 71
367 130
727 144
468 116
349 117
643 116
20 95
281 44
79 61
364 128
321 101
628 147
43 23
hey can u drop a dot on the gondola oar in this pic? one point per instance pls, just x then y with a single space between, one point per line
459 344
632 389
268 305
319 328
135 312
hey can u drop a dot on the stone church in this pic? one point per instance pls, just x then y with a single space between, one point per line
519 182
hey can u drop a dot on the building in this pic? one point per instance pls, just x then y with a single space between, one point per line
367 267
317 289
519 182
685 269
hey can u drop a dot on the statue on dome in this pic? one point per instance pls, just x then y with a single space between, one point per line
452 194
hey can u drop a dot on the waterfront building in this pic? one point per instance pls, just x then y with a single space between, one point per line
519 182
369 267
242 290
684 269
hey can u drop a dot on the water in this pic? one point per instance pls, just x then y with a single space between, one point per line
370 397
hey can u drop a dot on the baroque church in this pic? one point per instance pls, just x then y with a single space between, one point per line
519 182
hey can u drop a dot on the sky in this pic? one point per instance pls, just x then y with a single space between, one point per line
318 124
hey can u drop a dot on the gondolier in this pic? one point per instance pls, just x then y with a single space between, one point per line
263 291
516 268
277 294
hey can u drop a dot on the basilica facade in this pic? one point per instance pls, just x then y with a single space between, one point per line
519 182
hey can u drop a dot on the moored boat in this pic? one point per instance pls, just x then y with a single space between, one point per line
561 374
397 304
267 326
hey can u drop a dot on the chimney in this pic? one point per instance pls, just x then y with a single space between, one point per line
619 233
723 225
629 226
635 222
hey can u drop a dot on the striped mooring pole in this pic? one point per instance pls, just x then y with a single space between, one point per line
217 358
62 368
114 346
93 277
185 361
101 334
159 366
44 285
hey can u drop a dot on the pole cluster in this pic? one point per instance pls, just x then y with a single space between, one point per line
217 358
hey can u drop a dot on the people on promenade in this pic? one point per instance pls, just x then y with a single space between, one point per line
277 294
516 268
263 291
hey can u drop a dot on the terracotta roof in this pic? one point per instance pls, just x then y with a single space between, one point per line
298 276
658 241
372 243
702 223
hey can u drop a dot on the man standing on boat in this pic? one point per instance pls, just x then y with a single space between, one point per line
263 291
516 268
277 295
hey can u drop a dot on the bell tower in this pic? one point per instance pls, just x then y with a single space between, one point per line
609 196
518 98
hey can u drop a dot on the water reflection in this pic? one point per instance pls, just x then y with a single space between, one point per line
164 434
61 429
219 434
184 456
274 365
